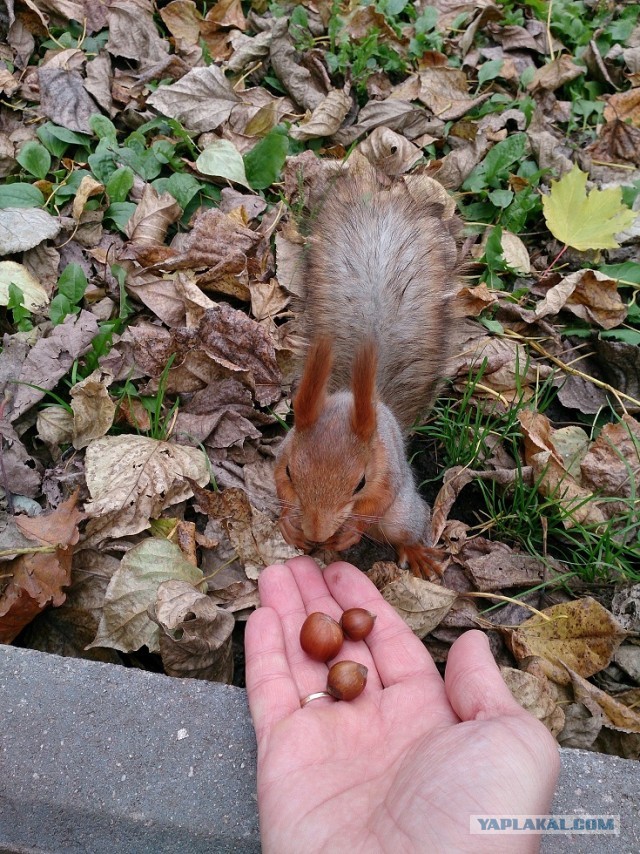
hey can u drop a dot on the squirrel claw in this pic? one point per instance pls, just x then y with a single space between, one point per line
423 561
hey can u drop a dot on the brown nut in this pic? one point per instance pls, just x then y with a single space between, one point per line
357 623
346 680
321 637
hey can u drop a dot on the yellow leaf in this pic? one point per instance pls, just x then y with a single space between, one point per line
585 221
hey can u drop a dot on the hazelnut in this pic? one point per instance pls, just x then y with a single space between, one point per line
346 680
357 623
321 637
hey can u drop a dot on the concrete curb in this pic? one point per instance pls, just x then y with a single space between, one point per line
98 759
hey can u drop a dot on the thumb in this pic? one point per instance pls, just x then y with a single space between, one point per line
473 683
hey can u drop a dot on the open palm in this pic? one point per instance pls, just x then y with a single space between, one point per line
405 765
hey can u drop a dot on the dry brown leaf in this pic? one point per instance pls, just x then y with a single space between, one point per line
391 152
37 579
421 605
124 621
133 33
299 82
255 537
242 346
581 634
67 629
201 100
132 479
93 409
51 358
495 566
473 301
88 187
227 13
220 416
555 74
536 696
618 142
195 636
445 91
64 100
612 463
152 217
590 295
624 106
325 119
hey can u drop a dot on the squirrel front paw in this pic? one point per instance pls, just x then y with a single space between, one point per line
423 561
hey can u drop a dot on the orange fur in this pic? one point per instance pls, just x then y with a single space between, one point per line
363 418
312 391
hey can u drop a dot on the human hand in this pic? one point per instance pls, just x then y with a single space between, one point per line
402 767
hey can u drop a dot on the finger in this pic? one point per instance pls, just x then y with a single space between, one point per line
279 590
397 653
473 683
271 689
316 596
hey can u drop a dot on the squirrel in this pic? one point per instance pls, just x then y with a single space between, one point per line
380 278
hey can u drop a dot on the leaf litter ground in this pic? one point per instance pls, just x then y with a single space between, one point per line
157 166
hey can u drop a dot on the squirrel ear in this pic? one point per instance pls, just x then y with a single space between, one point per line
363 417
312 391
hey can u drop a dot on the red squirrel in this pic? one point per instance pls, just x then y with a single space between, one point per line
380 279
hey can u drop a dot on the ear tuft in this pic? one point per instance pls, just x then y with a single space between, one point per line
363 417
312 391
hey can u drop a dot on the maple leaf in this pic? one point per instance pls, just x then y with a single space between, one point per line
581 220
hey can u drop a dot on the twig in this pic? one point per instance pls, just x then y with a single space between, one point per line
28 551
599 383
3 471
476 594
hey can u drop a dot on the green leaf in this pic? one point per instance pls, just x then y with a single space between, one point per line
57 139
183 187
585 221
223 160
72 283
120 213
497 163
628 271
20 196
501 198
489 70
263 164
103 127
119 184
60 308
35 158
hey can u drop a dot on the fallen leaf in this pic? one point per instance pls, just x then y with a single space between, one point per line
201 101
325 119
536 696
64 100
585 221
495 566
581 634
555 74
68 628
612 463
195 636
88 188
51 358
35 297
223 160
254 535
624 106
445 91
133 33
152 217
24 228
37 579
132 479
421 605
93 409
125 623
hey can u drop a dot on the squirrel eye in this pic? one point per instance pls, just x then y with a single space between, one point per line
361 485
